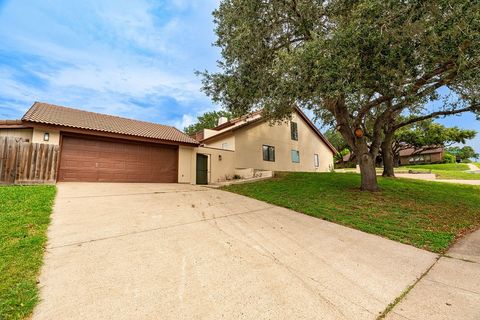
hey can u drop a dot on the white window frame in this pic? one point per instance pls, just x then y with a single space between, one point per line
292 156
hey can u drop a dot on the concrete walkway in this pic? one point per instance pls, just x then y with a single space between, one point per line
450 290
473 167
170 251
432 177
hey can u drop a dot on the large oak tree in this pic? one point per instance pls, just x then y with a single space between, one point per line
357 64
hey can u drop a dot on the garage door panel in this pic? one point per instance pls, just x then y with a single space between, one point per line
78 164
90 159
79 175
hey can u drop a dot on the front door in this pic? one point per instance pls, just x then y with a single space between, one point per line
202 169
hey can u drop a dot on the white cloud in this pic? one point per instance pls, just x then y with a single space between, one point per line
128 58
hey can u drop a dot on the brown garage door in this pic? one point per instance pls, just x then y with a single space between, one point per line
90 159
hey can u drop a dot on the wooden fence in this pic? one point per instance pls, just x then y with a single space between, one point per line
27 163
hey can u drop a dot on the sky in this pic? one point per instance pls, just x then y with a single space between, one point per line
135 59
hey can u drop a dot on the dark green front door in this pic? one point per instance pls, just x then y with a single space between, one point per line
202 169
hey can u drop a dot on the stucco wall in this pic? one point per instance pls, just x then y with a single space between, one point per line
17 133
184 164
220 164
35 135
249 141
38 134
218 167
229 140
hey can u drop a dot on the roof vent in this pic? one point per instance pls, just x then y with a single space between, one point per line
222 120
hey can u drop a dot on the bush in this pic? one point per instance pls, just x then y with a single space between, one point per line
449 158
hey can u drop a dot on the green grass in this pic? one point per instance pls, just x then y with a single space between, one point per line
24 218
477 164
444 170
441 166
428 215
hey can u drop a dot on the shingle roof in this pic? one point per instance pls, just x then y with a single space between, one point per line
410 151
68 117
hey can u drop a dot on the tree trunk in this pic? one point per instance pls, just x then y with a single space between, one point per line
388 157
368 173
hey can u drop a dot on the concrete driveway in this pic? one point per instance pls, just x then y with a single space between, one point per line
170 251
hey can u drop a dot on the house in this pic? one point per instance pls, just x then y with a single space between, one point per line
100 147
295 145
424 155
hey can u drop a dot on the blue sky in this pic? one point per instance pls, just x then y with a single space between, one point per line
128 58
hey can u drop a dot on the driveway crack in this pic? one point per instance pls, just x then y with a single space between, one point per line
406 291
155 229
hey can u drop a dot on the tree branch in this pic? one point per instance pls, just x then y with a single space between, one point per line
473 107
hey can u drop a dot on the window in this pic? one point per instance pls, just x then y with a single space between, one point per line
46 136
295 156
268 153
294 130
316 162
420 159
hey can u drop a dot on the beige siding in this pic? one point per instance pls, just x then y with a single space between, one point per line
227 143
249 141
39 132
17 133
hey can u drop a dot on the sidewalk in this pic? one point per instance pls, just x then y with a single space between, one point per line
473 167
450 290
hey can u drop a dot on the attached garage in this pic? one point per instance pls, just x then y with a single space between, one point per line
98 147
90 159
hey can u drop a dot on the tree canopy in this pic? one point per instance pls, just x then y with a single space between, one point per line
207 120
464 153
357 64
428 134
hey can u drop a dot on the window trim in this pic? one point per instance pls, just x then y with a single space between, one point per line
291 155
316 160
293 131
270 153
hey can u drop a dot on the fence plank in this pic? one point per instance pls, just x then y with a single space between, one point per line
27 163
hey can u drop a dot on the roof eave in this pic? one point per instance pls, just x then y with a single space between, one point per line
75 129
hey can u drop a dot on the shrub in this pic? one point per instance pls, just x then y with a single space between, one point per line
449 158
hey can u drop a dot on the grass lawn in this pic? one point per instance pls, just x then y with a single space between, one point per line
428 215
477 164
24 218
444 170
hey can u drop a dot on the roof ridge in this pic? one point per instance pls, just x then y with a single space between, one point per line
91 112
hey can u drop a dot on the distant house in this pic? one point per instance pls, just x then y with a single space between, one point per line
104 148
414 156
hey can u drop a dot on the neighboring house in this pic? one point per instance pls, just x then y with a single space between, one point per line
415 156
99 147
